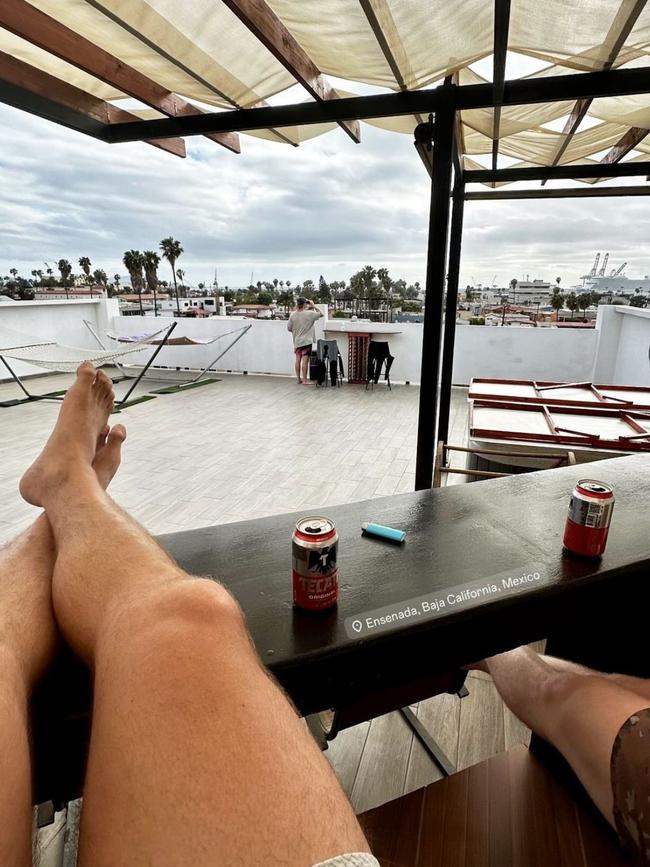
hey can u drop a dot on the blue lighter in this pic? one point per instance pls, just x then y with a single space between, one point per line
383 532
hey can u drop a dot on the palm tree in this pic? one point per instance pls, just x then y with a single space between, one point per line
572 302
584 301
558 280
133 262
84 264
116 282
384 280
100 277
181 274
172 250
557 302
151 260
368 274
65 270
513 288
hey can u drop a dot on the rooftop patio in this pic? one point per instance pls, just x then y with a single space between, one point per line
246 447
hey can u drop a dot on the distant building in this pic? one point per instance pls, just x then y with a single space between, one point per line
209 305
56 293
530 292
253 311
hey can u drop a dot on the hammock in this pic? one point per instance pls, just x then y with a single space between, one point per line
151 339
52 355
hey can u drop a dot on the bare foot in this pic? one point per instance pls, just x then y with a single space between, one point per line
108 453
72 444
28 633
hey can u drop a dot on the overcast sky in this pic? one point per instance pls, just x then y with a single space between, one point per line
328 207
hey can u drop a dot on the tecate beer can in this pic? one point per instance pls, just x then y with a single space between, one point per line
314 550
590 514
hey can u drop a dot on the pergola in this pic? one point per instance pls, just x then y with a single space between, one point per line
207 67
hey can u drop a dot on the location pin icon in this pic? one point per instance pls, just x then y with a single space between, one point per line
357 625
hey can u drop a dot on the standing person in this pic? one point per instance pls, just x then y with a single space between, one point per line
301 325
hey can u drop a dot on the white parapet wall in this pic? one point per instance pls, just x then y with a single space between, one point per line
510 352
62 321
615 352
523 353
623 352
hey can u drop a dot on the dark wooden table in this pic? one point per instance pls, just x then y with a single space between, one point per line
595 611
456 535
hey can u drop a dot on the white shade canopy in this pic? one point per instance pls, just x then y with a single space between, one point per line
183 58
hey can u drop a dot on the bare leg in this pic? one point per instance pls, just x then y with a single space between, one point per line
196 756
305 368
297 362
578 711
27 640
639 685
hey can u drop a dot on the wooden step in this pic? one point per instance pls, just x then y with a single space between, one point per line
508 811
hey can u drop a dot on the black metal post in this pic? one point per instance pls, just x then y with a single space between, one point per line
455 241
443 144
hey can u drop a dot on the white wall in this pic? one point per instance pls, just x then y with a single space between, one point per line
266 348
57 320
511 353
523 353
615 352
624 345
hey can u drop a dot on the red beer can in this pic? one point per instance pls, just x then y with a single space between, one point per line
590 514
314 560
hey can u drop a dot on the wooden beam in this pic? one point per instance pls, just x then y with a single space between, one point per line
385 31
178 63
624 20
560 193
501 28
36 27
625 144
33 80
262 21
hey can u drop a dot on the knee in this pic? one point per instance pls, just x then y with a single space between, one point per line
200 602
190 609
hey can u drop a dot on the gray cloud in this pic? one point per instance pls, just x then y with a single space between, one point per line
327 207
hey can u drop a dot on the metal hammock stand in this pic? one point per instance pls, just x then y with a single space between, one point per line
198 380
66 359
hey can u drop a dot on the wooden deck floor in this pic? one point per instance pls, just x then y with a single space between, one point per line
381 760
253 446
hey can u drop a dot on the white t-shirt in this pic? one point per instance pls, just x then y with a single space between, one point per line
301 325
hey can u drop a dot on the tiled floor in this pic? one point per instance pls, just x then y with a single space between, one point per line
245 447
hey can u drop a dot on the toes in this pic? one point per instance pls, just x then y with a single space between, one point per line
86 372
104 388
117 435
101 438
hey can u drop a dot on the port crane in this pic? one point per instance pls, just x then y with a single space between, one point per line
601 273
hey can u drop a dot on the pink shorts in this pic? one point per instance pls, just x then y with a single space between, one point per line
301 351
